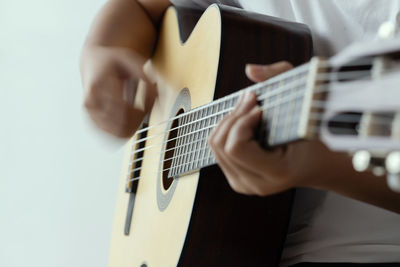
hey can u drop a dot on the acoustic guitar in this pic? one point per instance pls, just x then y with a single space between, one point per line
174 205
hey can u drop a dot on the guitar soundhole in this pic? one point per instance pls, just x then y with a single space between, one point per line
169 152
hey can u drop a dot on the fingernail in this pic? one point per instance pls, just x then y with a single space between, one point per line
255 69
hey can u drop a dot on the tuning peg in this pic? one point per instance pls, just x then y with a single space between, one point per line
393 162
393 181
393 170
361 160
387 30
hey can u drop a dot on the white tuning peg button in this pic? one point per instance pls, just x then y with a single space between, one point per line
393 162
387 30
393 181
361 160
393 168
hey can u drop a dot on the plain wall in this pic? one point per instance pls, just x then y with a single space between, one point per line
58 174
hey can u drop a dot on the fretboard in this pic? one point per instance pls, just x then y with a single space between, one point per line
284 99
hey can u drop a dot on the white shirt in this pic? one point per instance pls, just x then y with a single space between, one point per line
325 226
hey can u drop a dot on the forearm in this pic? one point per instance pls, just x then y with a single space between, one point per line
128 24
364 186
120 41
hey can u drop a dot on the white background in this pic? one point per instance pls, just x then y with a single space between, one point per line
58 175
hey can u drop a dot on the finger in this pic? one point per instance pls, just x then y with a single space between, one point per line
217 130
243 130
218 137
228 171
259 73
243 151
133 65
240 180
237 181
103 93
243 179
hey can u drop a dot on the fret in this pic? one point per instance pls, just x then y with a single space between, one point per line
202 138
287 118
194 143
263 90
206 134
172 171
283 101
179 146
297 113
213 122
190 136
310 82
188 156
225 107
198 138
283 107
220 111
184 143
274 120
396 126
231 102
209 122
291 114
268 116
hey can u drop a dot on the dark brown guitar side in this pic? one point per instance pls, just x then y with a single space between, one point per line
226 228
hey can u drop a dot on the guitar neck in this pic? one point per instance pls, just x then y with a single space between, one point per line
284 99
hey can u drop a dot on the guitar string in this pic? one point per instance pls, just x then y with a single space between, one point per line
199 160
315 104
192 134
201 150
276 79
314 116
195 161
286 100
215 115
267 107
261 97
156 172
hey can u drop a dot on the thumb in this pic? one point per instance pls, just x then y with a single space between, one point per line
259 73
132 64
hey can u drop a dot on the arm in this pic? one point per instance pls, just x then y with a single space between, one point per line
252 170
121 39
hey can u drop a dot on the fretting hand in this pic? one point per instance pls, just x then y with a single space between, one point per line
249 168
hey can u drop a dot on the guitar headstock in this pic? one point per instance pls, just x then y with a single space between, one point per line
357 107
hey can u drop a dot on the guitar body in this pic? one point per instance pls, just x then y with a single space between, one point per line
196 219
